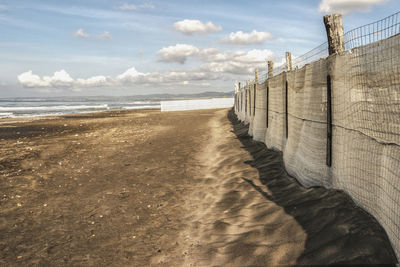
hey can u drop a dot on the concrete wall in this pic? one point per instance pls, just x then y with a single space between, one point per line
197 104
365 123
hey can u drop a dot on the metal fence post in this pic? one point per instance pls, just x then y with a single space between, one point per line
329 122
286 109
334 31
267 105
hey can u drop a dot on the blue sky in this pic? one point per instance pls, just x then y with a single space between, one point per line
128 47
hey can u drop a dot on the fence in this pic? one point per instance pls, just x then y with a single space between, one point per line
336 118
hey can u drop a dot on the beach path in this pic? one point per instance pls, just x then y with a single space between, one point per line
140 188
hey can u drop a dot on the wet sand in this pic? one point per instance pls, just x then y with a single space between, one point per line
140 188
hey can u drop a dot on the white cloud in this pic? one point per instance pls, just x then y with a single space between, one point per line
193 75
130 7
255 56
238 62
59 79
147 6
105 35
189 27
93 81
347 6
129 75
241 38
62 80
217 66
177 53
28 79
180 52
126 6
81 34
231 67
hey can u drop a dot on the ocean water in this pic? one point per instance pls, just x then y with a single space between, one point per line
46 108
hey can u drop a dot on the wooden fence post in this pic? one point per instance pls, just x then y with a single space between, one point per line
288 61
270 69
334 31
256 76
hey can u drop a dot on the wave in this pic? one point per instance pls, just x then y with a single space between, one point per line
6 114
143 107
50 108
143 102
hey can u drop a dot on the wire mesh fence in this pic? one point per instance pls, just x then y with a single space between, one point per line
365 119
279 69
373 32
319 52
262 76
363 35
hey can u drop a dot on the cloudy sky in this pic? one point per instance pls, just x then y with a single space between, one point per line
128 47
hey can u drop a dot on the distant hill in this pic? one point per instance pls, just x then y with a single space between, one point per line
155 97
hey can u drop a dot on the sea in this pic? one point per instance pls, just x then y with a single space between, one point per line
14 109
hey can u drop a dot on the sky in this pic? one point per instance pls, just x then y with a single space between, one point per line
131 47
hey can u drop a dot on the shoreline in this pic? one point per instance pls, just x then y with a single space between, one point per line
23 119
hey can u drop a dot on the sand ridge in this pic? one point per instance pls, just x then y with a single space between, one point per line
246 211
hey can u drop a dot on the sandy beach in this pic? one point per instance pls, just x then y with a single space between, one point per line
190 188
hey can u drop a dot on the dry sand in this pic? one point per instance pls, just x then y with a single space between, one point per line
140 188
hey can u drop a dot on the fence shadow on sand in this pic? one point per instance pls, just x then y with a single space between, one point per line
338 231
